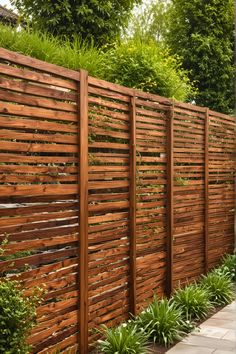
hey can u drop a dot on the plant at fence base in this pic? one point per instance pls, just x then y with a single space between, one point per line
17 317
193 301
228 266
125 339
219 286
162 321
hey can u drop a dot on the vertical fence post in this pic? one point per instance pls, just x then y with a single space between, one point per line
170 198
206 177
132 208
83 212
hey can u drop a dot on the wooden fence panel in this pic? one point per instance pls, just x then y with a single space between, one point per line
151 122
108 195
189 152
39 196
222 139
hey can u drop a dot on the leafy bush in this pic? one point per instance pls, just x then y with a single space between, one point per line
193 301
17 317
149 67
220 288
162 321
125 339
228 267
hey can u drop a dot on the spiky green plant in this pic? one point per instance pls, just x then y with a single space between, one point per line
124 339
228 266
219 286
162 321
193 301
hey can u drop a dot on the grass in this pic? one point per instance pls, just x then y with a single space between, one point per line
72 55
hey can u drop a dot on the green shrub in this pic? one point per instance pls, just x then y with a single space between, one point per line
17 318
162 321
220 288
228 266
73 55
133 63
149 67
125 339
193 301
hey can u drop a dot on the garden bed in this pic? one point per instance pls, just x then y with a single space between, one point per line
166 322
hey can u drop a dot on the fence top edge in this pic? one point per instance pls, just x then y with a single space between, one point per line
221 115
74 75
40 65
128 91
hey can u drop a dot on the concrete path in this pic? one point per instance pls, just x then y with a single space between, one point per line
216 335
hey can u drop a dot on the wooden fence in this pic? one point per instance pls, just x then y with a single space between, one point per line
107 196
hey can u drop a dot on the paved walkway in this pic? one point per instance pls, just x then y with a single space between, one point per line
217 335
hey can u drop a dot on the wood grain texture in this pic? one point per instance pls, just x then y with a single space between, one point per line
83 213
206 177
170 200
133 242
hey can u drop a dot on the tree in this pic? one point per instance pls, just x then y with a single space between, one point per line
201 32
97 20
150 21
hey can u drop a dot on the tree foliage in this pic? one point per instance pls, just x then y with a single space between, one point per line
150 21
98 20
201 32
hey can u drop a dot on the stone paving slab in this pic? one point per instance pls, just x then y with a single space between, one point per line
230 335
216 322
217 335
182 348
209 342
211 331
231 306
223 351
224 315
